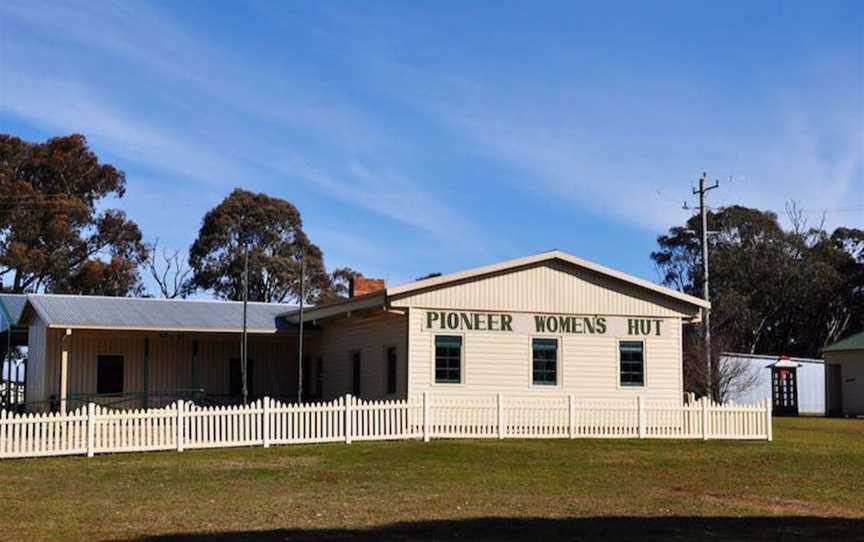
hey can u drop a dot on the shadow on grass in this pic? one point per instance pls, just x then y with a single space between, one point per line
793 529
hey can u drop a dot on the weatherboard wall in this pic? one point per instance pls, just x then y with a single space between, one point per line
170 357
588 364
370 336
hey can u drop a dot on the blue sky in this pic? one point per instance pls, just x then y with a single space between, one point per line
421 137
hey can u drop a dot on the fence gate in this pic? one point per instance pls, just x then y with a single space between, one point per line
785 390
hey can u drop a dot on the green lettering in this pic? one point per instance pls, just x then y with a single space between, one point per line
506 320
645 327
632 326
493 322
589 325
658 326
453 320
576 325
601 324
539 324
466 321
551 323
479 322
564 324
430 318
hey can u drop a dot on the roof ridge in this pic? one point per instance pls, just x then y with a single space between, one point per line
161 299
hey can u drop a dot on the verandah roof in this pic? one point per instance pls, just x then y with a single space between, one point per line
98 312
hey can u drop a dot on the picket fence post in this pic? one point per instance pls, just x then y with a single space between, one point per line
181 425
265 422
499 398
704 418
348 416
91 428
640 416
427 415
768 413
571 416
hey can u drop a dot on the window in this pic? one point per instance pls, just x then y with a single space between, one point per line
355 374
235 378
448 359
632 355
109 374
391 369
544 366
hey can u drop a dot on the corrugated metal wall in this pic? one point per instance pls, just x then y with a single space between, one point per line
811 383
35 377
852 379
554 287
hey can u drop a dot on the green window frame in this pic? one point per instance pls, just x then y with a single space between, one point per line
544 362
631 363
448 359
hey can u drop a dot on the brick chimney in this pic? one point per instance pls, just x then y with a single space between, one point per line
360 285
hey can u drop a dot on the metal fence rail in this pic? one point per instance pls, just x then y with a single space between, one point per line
96 429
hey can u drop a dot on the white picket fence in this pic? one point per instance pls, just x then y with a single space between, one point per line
183 425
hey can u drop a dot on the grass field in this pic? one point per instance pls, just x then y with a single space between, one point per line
807 484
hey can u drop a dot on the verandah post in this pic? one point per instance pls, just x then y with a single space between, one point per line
640 415
348 418
500 405
91 427
181 425
427 417
265 422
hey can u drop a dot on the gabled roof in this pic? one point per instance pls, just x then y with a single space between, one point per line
12 307
852 342
540 258
381 298
98 312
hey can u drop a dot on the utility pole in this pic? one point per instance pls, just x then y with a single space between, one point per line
705 293
244 344
300 335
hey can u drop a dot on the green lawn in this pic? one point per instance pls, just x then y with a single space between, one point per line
807 484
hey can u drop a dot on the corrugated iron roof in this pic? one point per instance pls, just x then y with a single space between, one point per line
852 342
157 314
12 306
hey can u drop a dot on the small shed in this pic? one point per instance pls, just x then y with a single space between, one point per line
844 376
794 385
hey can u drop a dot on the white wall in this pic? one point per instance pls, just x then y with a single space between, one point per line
852 378
370 335
588 365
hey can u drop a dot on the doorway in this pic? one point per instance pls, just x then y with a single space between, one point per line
834 380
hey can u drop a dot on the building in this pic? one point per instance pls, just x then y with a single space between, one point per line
132 352
793 385
844 376
546 324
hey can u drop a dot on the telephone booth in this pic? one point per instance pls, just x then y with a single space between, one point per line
784 387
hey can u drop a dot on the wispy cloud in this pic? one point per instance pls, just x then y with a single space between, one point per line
609 155
231 149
